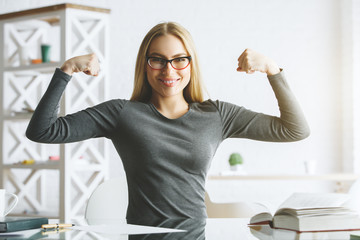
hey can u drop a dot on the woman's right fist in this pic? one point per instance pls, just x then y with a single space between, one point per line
89 64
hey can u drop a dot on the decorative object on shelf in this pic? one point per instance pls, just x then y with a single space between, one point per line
45 53
310 166
236 161
25 54
28 162
36 61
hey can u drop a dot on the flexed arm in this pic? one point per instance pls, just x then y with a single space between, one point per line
239 122
46 127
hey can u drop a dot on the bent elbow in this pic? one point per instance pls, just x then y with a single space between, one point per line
302 133
34 134
30 135
305 134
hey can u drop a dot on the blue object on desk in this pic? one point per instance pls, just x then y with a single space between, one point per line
12 224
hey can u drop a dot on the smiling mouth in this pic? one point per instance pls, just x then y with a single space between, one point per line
169 83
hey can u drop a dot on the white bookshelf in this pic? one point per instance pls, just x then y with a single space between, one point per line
71 30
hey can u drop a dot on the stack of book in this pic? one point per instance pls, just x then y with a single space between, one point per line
311 212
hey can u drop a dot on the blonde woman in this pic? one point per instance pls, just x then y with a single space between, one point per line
166 134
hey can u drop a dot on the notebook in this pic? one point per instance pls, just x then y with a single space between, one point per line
12 224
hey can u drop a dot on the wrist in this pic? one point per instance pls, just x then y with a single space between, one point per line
272 69
67 68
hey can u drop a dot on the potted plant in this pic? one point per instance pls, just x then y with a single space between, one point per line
236 161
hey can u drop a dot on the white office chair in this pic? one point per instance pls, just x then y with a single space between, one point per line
354 192
108 201
227 210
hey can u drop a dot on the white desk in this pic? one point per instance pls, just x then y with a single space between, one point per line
209 229
195 229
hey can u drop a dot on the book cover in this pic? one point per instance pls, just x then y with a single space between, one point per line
12 224
355 236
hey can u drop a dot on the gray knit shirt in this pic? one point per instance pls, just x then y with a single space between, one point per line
166 160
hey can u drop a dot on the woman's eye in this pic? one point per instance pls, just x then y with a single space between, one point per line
180 59
158 60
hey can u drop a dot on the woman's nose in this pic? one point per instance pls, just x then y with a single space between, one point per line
168 68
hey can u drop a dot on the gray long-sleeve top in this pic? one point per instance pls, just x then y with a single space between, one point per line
166 160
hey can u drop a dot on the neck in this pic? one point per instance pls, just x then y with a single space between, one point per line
171 107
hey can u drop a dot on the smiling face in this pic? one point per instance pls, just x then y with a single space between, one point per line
167 82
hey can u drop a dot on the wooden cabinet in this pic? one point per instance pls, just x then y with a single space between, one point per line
59 188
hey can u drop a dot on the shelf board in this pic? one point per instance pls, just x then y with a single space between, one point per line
25 116
54 165
39 165
328 177
41 67
50 9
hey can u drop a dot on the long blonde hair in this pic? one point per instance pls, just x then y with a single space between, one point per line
193 92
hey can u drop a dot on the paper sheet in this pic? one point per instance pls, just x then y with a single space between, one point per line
123 228
22 233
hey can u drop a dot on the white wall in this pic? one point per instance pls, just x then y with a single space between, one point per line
304 37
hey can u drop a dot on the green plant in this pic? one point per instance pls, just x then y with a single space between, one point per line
235 159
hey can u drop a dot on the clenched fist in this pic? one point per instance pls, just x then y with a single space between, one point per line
89 64
251 61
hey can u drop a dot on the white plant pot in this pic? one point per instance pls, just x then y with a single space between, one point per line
236 168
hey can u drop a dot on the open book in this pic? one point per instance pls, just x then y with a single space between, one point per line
311 212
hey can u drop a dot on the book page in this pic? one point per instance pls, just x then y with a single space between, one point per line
258 207
314 200
261 213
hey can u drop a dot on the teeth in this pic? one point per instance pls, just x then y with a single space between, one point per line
168 81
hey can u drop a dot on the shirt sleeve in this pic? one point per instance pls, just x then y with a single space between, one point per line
46 127
239 122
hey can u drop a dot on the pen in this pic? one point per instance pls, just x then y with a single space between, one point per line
56 225
47 232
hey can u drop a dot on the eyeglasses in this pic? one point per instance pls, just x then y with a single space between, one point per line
179 63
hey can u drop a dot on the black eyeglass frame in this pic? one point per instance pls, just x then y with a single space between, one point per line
168 61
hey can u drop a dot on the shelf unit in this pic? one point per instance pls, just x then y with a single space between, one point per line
56 189
341 179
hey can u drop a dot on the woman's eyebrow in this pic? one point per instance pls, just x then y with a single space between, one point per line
162 56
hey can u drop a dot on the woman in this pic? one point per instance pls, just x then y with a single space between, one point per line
166 135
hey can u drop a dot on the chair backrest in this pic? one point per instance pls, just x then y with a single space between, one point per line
354 193
109 200
227 210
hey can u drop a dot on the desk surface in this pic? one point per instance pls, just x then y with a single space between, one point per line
209 229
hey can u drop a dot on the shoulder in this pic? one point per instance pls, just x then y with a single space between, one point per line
115 103
205 106
216 105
